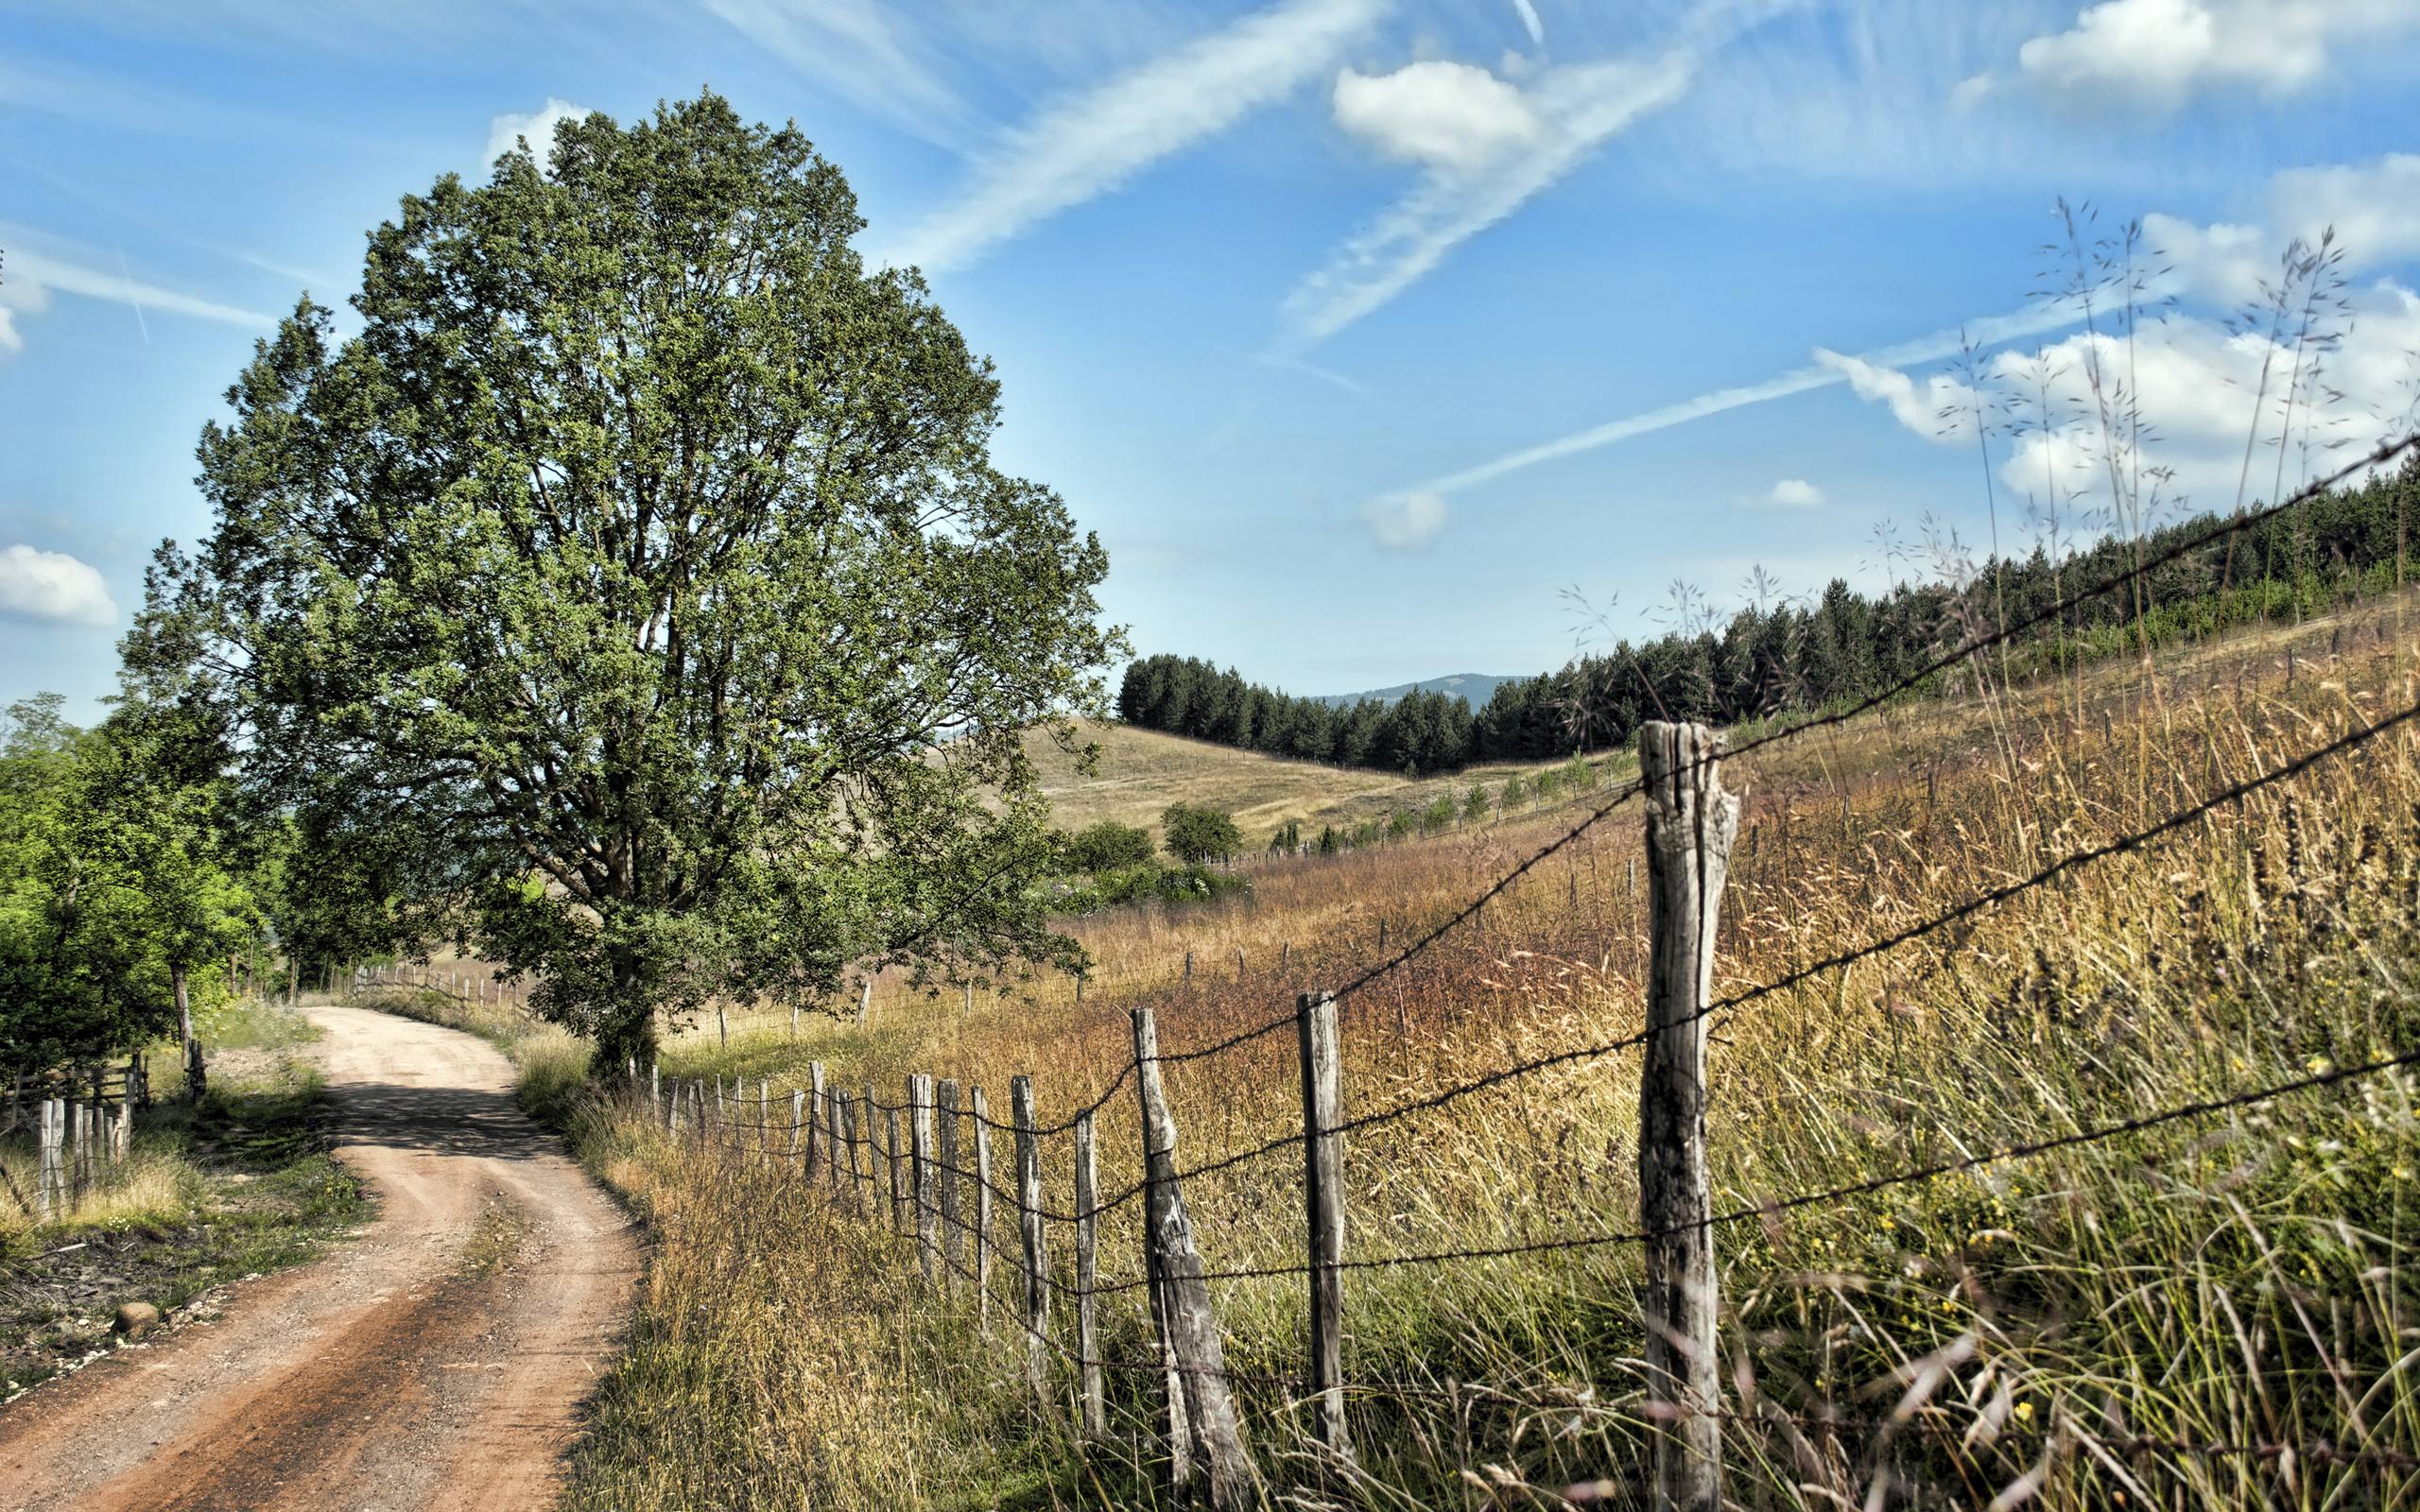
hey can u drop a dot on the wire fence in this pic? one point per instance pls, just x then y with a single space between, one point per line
923 1192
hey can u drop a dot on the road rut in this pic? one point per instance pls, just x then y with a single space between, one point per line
438 1361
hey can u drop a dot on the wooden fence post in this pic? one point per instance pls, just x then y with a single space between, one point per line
1191 1326
982 1124
1037 1290
53 1177
1095 1408
919 1144
654 1085
844 1144
945 1167
801 1132
1691 822
895 1157
1324 1207
815 1101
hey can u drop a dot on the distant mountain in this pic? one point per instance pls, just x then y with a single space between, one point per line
1475 688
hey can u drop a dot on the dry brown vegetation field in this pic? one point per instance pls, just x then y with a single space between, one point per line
1139 772
2212 1313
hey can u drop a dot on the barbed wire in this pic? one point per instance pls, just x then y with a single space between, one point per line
1768 1207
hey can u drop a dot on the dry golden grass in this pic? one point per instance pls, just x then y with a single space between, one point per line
1142 771
2239 1284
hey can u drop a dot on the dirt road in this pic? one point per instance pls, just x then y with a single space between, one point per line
436 1361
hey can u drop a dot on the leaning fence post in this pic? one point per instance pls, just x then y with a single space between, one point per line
815 1106
1324 1207
982 1127
1192 1326
1037 1293
920 1139
1094 1410
945 1166
1690 825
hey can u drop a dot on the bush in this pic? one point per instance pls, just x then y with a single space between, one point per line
1107 845
1194 835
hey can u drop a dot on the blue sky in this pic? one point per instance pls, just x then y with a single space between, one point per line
1359 328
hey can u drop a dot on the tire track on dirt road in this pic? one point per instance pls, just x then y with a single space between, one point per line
436 1361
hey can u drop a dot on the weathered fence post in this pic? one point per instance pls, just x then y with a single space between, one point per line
945 1163
654 1085
1037 1292
52 1178
1191 1328
1690 825
1094 1407
982 1124
920 1138
815 1101
1324 1207
894 1157
801 1132
844 1120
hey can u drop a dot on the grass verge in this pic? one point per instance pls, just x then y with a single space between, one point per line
236 1186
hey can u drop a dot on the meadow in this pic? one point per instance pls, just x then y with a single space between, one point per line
2208 1311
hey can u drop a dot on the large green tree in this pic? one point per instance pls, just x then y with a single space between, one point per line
642 566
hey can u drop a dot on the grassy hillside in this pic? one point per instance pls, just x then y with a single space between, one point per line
1142 771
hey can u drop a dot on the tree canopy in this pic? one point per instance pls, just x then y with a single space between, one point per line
638 576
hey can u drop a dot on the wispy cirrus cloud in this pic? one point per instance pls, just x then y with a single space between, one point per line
1489 146
855 48
1096 139
39 266
1830 369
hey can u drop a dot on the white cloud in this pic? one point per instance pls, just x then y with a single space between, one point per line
1089 143
1577 110
51 586
2214 429
1942 409
1406 522
1449 117
538 126
1795 493
2154 55
2374 207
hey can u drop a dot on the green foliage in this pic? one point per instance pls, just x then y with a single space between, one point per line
1194 835
113 883
1440 813
1149 882
1475 806
1107 847
637 592
1287 839
1513 791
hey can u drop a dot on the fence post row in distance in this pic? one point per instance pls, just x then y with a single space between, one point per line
1690 825
1191 1328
